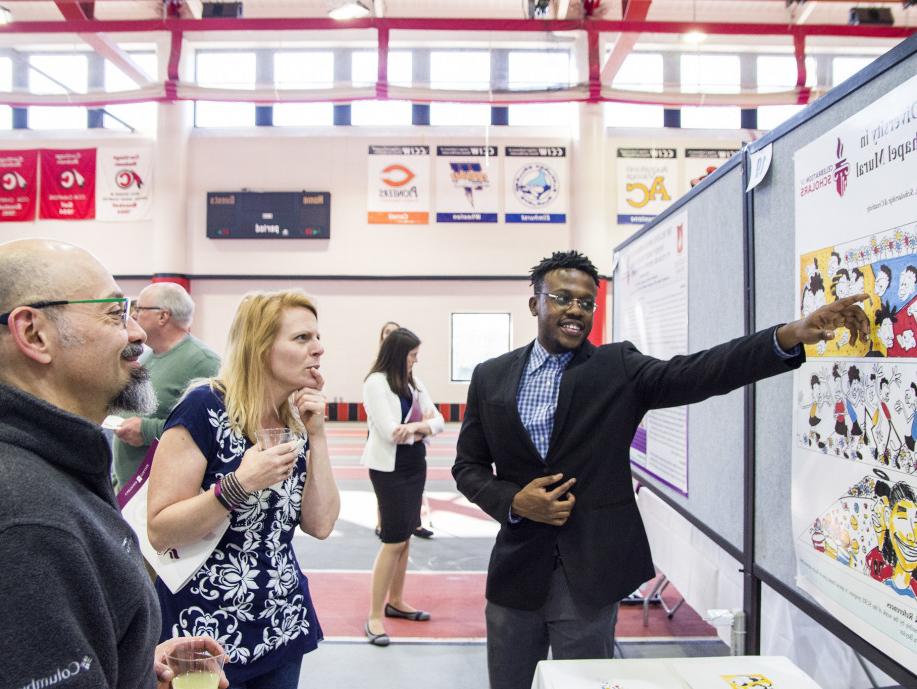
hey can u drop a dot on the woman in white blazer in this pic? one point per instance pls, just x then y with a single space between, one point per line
401 417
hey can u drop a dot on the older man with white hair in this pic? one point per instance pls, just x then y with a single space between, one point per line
77 606
165 311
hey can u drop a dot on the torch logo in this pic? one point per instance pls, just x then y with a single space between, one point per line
125 179
12 180
841 169
71 178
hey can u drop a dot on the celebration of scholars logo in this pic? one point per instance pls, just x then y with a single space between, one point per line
841 169
837 173
60 675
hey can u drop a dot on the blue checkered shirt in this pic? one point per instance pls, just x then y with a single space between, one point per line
537 395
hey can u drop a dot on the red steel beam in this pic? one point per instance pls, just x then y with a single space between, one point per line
82 13
799 51
172 76
405 24
595 68
382 67
634 10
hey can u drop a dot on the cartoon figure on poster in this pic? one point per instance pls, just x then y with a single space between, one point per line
885 267
873 531
861 414
749 682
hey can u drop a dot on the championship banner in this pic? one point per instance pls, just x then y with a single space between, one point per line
700 162
854 466
399 182
536 184
68 182
466 184
647 180
125 190
18 185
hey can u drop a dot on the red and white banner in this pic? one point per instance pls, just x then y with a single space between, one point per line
18 185
68 184
125 190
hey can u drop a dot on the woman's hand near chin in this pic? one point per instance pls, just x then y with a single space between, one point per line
310 403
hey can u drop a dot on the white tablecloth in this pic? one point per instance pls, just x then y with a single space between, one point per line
728 672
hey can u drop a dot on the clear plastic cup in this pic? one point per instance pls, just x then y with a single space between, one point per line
271 437
194 667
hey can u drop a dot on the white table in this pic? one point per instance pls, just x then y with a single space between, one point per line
727 672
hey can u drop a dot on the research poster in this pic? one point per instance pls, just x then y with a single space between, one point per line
536 184
398 191
854 469
124 184
651 310
647 182
467 184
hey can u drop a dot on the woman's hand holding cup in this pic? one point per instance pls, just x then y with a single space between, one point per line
261 468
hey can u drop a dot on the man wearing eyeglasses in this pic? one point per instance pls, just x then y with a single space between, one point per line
544 450
78 609
165 311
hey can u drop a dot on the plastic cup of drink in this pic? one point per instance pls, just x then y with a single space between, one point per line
194 667
271 437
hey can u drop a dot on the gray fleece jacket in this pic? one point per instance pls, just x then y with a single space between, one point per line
76 606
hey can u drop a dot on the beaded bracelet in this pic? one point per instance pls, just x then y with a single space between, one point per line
233 490
218 492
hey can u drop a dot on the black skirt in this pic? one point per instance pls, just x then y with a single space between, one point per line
399 492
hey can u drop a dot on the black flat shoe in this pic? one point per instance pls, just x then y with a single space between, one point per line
421 532
416 616
376 639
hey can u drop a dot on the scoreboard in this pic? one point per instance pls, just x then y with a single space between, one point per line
268 214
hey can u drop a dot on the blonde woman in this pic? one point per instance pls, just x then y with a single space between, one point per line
250 595
401 416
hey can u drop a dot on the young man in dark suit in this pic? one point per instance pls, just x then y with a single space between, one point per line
544 450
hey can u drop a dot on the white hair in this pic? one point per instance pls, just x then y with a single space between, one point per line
174 299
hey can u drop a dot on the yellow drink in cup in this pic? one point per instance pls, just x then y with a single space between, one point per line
197 680
194 667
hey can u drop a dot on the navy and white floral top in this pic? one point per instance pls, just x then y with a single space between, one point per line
250 595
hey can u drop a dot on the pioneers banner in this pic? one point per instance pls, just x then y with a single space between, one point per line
398 192
68 181
18 185
125 190
854 477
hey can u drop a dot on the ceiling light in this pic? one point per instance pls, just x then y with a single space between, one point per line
5 15
356 9
694 37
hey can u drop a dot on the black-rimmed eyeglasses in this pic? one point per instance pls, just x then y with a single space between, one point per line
122 314
565 301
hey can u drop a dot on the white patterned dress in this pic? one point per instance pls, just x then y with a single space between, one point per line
250 595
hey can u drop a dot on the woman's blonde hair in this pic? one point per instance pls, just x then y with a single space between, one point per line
242 378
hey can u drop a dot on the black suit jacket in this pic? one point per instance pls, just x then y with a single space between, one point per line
603 395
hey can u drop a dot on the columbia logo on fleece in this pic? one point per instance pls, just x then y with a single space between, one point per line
61 675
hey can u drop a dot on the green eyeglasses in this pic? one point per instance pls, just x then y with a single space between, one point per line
564 301
122 314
